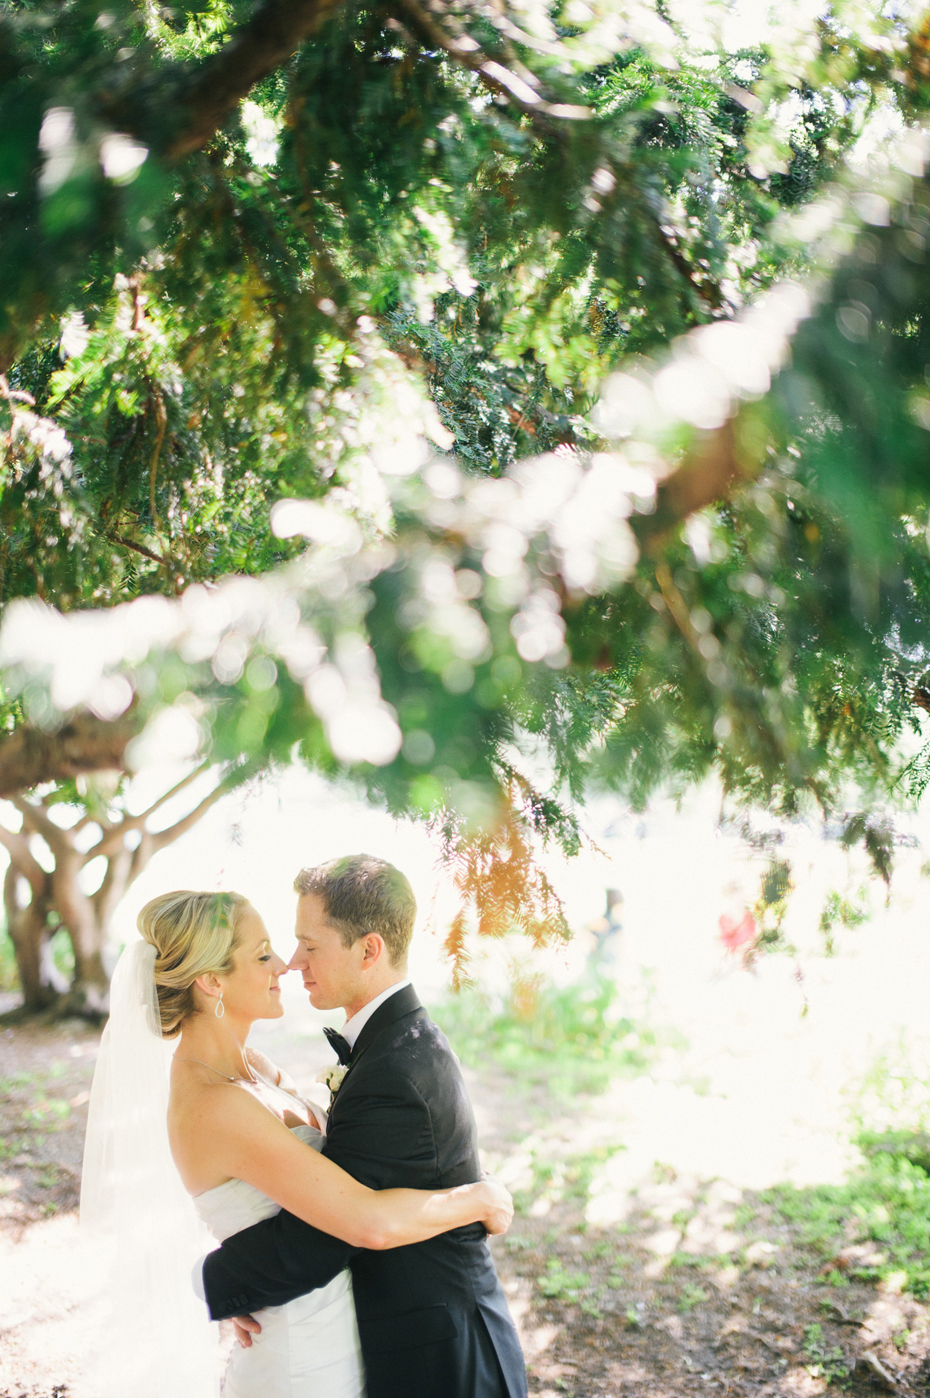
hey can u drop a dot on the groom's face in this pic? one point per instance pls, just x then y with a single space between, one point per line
331 971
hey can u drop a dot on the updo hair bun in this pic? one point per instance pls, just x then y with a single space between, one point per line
194 934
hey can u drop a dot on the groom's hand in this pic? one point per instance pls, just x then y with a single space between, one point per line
245 1327
500 1212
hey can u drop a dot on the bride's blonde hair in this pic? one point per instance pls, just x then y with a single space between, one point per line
194 934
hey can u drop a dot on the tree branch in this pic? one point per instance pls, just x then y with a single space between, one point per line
677 606
84 744
275 31
546 117
113 886
173 791
708 291
206 96
113 837
710 472
39 821
162 838
21 857
141 548
140 857
494 75
161 427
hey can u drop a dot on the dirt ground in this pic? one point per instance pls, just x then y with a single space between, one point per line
699 1288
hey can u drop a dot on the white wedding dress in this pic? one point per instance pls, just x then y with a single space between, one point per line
308 1348
142 1230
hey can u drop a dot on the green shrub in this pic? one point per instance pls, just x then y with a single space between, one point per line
571 1039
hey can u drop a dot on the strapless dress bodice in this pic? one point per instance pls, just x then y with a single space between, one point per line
235 1205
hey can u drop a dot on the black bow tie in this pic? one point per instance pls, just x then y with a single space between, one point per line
338 1044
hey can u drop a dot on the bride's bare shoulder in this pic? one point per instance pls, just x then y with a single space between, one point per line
198 1095
238 1108
211 1126
192 1090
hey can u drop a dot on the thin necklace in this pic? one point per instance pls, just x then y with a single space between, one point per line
216 1070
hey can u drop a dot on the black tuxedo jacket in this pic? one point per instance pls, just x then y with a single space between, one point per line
432 1317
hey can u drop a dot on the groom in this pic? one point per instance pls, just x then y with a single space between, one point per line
432 1317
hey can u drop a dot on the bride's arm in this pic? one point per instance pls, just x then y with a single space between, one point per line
247 1142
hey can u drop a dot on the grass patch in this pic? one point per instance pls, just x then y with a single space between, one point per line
886 1203
571 1040
699 1263
825 1361
690 1296
559 1284
31 1100
561 1180
16 1081
46 1113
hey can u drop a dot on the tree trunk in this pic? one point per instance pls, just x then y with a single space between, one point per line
56 900
88 927
34 898
28 926
89 995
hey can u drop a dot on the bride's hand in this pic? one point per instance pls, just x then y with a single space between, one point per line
500 1206
245 1327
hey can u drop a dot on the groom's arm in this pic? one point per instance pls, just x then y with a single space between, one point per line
383 1136
267 1266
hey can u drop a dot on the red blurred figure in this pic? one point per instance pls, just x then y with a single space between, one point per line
735 934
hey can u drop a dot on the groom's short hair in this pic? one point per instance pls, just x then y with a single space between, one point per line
362 894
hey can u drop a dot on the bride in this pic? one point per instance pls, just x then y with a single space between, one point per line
244 1145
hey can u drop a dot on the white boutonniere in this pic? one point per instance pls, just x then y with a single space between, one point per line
332 1078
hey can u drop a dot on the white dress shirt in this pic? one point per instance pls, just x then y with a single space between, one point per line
354 1026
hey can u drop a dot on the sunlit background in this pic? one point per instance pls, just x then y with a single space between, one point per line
750 1076
714 1098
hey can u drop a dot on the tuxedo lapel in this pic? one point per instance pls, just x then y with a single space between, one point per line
395 1007
398 1006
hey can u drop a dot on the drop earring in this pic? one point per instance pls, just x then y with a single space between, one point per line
220 1007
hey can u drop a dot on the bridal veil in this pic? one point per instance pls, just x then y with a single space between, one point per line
152 1337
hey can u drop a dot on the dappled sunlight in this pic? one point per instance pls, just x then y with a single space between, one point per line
639 1095
515 415
773 1064
800 1383
889 1314
44 1282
